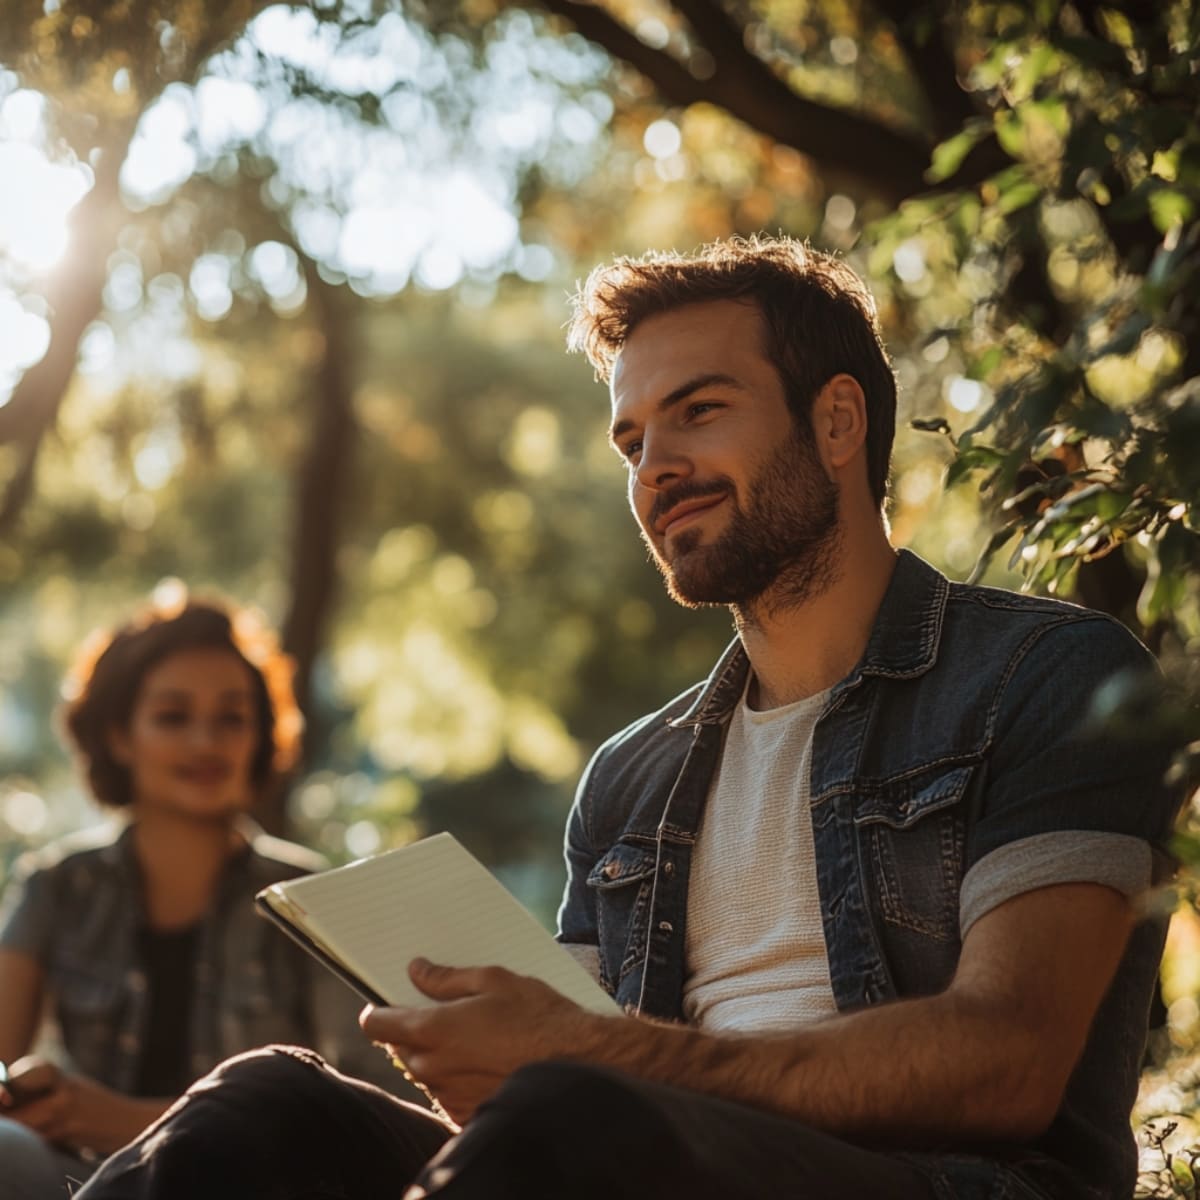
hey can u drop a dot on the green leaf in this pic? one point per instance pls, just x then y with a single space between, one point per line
1052 113
1010 133
966 216
973 458
1040 64
949 155
1186 848
1118 27
1170 207
986 363
994 543
1016 189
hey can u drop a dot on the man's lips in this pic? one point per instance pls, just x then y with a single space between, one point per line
684 511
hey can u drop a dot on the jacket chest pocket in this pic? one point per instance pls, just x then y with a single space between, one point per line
90 1007
264 994
622 882
912 835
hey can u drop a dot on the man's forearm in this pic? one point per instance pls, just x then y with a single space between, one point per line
924 1069
989 1058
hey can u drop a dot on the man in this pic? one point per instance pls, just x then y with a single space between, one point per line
867 895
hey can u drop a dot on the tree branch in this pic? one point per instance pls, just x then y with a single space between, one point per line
890 162
75 294
933 64
74 297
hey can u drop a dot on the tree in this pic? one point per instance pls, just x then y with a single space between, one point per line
1019 182
1045 164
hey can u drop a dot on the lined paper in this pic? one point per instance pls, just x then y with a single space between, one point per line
432 899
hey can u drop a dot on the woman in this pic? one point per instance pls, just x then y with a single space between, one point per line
144 947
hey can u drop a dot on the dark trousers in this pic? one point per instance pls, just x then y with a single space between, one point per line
279 1124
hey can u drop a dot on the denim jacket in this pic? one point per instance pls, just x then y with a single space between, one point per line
75 906
951 769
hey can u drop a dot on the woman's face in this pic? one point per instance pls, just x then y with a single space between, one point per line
192 736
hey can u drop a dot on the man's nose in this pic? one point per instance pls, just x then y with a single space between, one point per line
662 463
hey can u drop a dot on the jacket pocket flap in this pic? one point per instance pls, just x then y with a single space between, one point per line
622 865
84 987
903 802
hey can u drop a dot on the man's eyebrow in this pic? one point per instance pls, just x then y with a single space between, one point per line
682 392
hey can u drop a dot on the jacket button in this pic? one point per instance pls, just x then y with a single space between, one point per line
666 926
668 868
612 870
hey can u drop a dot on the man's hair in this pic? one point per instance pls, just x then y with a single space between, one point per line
818 316
106 678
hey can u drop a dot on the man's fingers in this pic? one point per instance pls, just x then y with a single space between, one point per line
454 983
390 1025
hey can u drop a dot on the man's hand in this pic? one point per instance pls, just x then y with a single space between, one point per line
488 1022
72 1111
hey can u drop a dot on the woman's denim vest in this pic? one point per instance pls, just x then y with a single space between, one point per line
963 729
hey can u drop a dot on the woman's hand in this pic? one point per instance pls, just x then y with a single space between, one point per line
73 1111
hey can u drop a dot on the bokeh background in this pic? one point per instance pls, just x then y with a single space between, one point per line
282 290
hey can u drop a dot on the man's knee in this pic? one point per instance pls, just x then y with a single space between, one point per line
266 1067
253 1097
551 1129
574 1111
567 1095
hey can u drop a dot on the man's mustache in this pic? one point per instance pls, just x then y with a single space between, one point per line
682 492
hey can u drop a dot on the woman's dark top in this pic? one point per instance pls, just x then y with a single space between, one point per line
169 963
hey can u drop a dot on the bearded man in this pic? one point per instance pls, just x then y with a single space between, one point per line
868 895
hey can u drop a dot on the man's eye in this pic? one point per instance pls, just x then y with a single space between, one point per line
700 408
235 720
170 718
630 451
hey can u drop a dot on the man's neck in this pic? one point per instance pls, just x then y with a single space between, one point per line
798 650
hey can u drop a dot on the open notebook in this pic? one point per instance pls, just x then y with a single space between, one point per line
367 920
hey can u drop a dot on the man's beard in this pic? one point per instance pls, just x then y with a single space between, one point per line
784 542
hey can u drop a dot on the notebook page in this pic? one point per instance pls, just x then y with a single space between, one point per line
437 900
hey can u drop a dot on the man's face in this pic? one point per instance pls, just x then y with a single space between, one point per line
731 496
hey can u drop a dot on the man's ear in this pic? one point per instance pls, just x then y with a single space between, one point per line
841 419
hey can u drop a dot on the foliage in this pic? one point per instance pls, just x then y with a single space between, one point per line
1074 272
274 367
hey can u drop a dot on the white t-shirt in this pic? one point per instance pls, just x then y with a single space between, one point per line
756 956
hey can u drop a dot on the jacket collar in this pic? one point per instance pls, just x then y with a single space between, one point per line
903 643
122 854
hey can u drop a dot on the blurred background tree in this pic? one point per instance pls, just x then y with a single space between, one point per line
281 296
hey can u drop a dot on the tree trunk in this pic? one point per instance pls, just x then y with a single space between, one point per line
75 297
322 479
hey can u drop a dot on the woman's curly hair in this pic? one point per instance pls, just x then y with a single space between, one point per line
102 686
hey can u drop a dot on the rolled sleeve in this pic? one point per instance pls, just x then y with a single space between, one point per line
27 912
1114 860
577 922
1067 800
